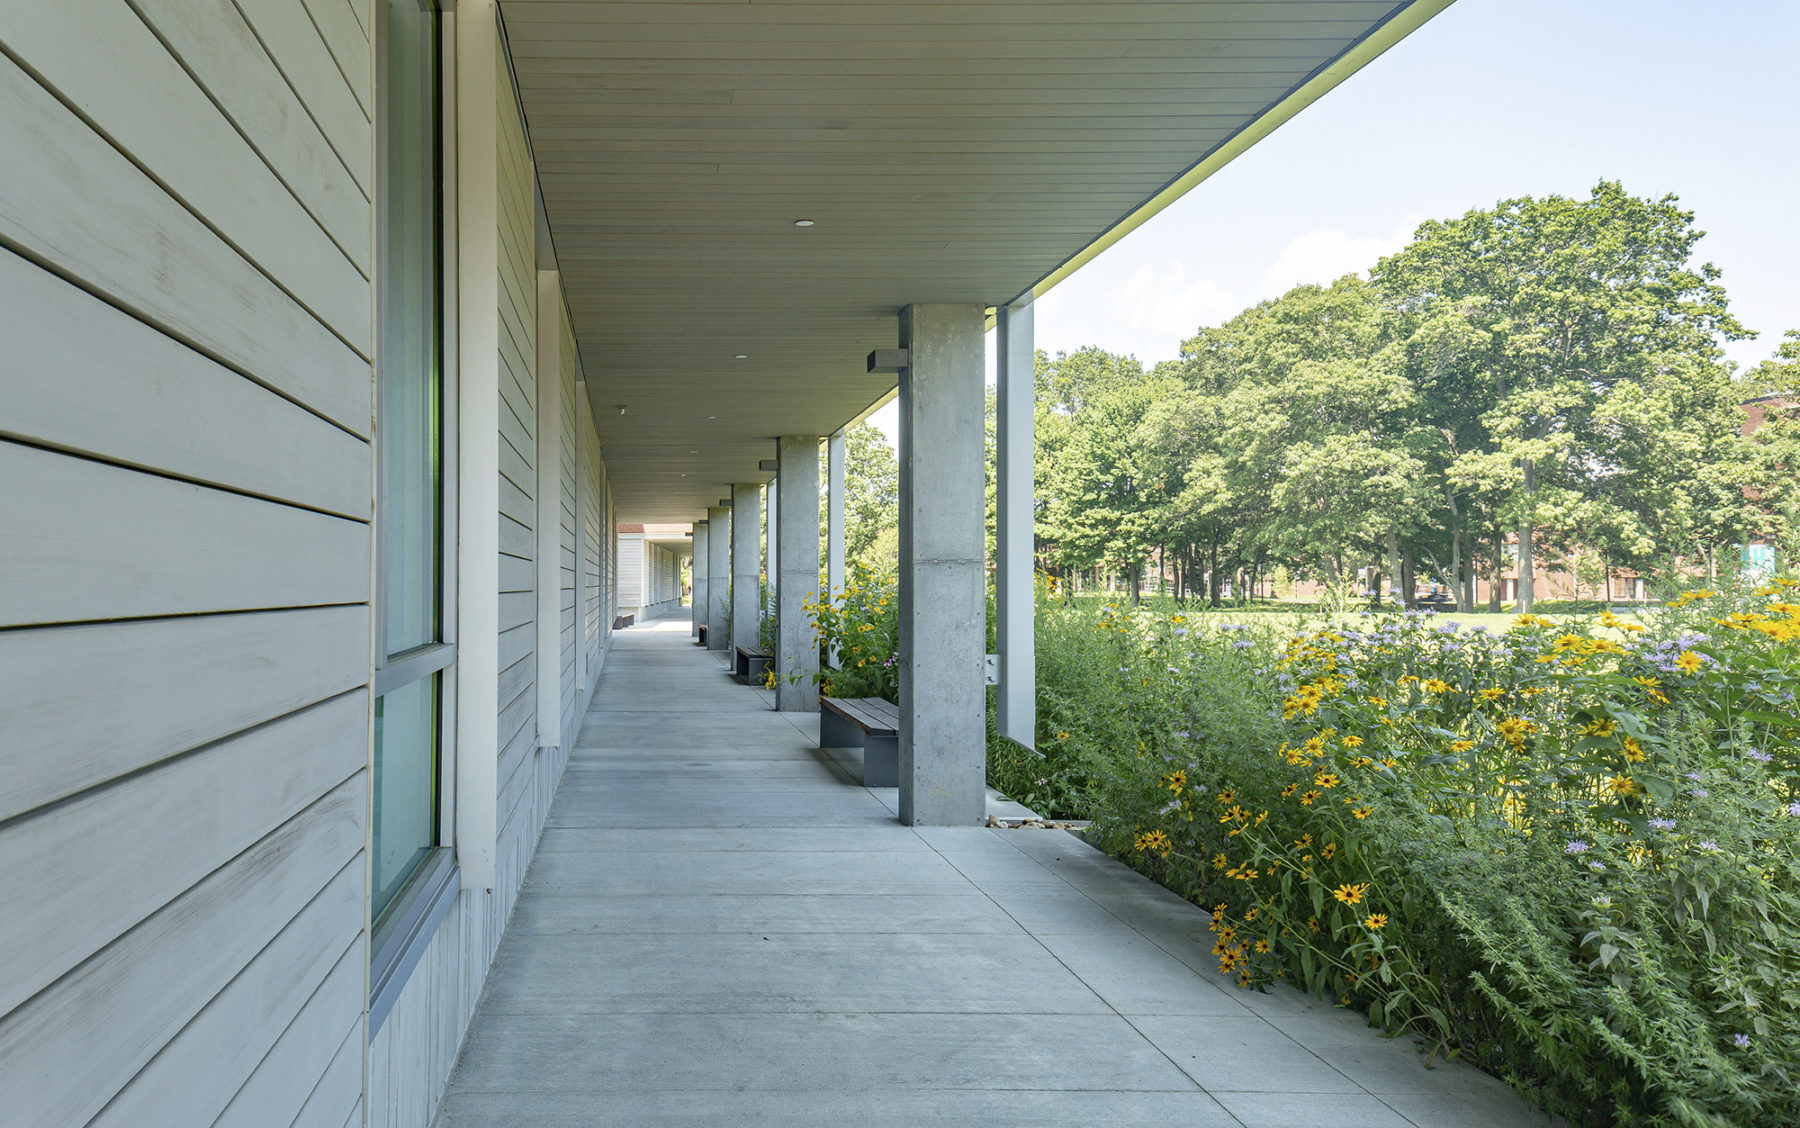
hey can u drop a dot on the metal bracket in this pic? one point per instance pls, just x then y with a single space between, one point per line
992 668
889 360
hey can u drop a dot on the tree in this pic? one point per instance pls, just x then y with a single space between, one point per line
871 498
1538 311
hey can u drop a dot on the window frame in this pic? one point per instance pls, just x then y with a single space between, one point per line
399 935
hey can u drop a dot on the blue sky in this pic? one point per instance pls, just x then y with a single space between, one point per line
1491 99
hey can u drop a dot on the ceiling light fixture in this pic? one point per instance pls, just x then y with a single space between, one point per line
742 356
712 416
803 223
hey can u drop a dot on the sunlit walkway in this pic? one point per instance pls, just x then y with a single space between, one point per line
721 927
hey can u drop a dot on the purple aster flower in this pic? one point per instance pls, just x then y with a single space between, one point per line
1662 824
1794 810
1695 776
1697 792
1576 846
1741 1041
1242 644
1709 845
1760 757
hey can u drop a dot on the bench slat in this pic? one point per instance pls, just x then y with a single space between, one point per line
871 714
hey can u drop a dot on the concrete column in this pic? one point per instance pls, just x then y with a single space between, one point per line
943 606
746 562
797 562
834 524
718 577
1015 705
771 538
698 608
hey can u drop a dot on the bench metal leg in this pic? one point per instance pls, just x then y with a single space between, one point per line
758 668
881 761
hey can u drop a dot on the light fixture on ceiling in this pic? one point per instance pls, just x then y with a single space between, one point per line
693 452
742 356
621 408
803 223
712 416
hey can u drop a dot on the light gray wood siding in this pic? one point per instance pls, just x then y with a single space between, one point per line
570 525
631 572
185 254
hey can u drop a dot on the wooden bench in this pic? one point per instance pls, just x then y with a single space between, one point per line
846 722
751 662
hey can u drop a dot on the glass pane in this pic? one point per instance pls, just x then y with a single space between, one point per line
405 785
408 423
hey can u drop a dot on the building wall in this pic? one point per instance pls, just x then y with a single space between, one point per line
631 572
185 541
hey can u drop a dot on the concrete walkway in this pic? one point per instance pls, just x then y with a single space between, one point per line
721 927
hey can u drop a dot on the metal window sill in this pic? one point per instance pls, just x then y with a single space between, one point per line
400 942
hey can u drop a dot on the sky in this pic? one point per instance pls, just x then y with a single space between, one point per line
1491 99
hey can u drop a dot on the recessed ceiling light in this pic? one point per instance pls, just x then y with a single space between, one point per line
712 416
803 223
693 452
743 356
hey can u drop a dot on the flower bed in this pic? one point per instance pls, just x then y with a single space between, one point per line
1566 851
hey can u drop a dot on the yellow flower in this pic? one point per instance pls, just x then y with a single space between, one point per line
1353 741
1433 685
1623 785
1375 922
1378 702
1062 736
1220 861
1461 745
1351 894
1363 812
1289 790
1175 780
1262 946
1329 852
1326 780
1634 752
1309 798
1688 662
1154 841
1492 693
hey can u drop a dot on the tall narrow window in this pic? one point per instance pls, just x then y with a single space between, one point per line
409 437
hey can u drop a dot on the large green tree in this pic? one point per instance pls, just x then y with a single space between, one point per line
1545 314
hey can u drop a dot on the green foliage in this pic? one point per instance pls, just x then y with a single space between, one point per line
862 626
1545 373
1568 851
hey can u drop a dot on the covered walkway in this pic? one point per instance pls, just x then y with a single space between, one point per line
721 927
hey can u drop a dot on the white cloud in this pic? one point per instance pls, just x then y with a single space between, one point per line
1322 256
1163 303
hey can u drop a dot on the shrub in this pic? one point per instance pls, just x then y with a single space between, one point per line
1565 851
863 625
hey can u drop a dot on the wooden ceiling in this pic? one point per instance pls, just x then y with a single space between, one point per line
945 152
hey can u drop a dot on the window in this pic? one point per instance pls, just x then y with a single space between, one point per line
413 651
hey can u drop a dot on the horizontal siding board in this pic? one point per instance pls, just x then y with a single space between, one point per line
515 539
70 1048
348 43
515 501
340 1089
516 609
166 407
516 679
515 646
182 820
193 1078
162 680
285 31
101 57
92 541
220 50
300 1058
71 199
515 573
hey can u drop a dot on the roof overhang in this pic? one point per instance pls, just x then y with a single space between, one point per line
967 152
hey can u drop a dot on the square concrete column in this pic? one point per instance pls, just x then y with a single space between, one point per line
943 605
771 540
746 563
834 524
796 539
718 577
698 608
1015 548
